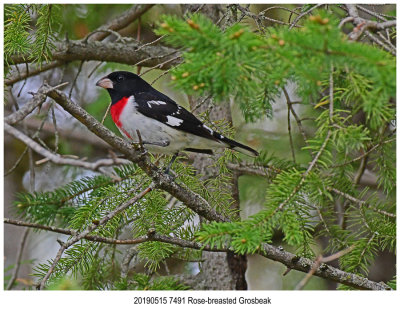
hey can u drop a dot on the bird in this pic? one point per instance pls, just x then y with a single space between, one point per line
164 126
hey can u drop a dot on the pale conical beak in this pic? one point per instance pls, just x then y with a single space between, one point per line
105 83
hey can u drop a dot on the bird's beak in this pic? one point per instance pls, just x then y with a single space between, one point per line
105 83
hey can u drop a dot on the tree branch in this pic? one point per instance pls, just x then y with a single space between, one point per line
122 21
38 99
360 202
365 153
151 236
18 261
277 254
294 23
362 24
77 135
56 158
268 172
31 72
293 261
128 53
318 261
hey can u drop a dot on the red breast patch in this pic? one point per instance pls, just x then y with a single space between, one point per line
116 111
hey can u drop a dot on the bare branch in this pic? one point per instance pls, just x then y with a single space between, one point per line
362 24
380 16
360 202
259 17
75 134
16 162
294 23
19 256
76 78
296 117
56 158
38 99
290 132
324 271
380 43
122 21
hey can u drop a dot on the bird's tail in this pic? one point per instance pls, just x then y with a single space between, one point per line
236 146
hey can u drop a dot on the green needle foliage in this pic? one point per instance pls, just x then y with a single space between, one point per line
246 66
253 68
38 41
48 19
16 31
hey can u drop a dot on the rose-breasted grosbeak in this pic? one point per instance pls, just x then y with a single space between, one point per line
165 127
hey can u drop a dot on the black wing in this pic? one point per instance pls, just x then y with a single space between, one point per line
165 110
160 107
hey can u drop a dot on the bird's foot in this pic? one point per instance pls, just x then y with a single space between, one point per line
168 168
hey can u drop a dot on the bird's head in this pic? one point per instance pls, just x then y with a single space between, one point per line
123 84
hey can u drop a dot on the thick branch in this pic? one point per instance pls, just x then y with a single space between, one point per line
128 53
293 261
16 77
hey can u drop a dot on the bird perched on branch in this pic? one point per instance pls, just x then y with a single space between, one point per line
164 126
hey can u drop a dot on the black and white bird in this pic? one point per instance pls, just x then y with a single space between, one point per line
164 126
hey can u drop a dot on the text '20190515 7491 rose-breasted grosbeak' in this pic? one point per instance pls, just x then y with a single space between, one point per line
164 126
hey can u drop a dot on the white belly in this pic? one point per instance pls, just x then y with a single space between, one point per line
153 131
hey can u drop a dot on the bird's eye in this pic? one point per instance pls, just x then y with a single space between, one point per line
120 77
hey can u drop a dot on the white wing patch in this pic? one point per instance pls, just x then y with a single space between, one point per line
177 112
150 103
172 121
209 129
